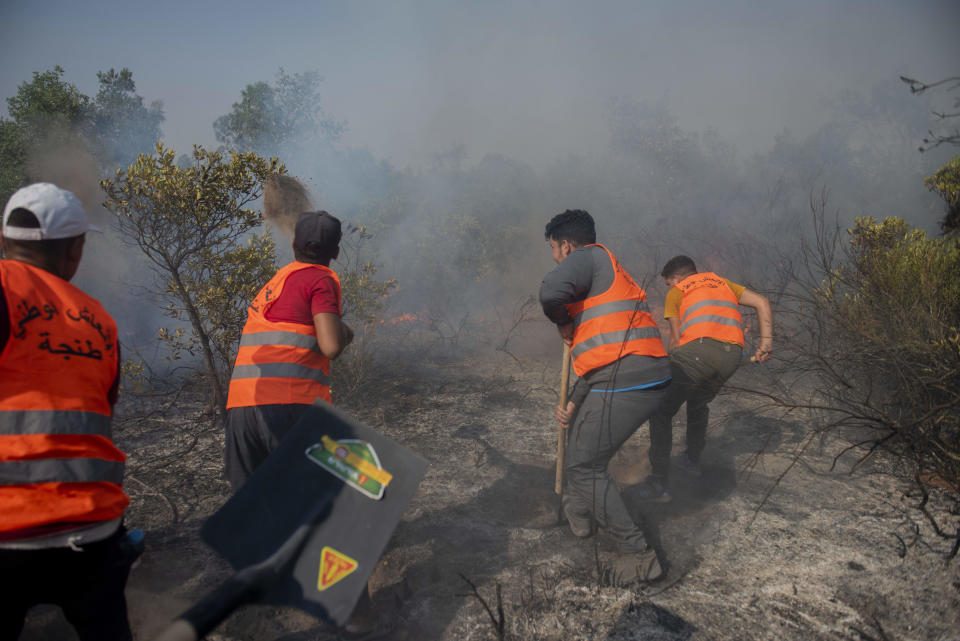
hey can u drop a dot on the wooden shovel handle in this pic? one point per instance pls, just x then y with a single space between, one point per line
561 431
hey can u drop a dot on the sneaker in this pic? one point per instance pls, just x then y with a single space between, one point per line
688 466
653 491
580 525
630 570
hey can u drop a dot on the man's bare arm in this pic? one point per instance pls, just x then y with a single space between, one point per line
333 335
765 317
674 333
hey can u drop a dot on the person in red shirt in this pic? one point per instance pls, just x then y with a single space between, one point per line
293 330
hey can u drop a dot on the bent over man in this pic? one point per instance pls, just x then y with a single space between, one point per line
293 331
706 347
61 500
619 356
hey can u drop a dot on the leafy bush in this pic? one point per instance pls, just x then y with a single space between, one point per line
194 225
882 321
946 182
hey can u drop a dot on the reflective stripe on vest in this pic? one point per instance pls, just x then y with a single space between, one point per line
614 338
280 370
280 338
58 463
709 309
278 363
611 308
70 470
613 324
53 422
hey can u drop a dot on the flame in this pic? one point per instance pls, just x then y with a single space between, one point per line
404 318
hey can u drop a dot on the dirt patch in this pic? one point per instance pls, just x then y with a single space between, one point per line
828 554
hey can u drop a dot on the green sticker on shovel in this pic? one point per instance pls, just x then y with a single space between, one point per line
354 462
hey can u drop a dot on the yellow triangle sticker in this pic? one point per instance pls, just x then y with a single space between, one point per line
333 567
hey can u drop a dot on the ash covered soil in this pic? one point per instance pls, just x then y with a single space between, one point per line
821 552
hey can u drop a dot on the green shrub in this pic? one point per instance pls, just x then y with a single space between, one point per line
946 183
891 308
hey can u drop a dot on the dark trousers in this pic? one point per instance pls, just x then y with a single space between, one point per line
87 585
699 370
252 434
603 423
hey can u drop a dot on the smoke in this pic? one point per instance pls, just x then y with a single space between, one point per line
111 270
68 164
463 235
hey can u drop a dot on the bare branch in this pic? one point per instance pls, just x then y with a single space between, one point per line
919 87
498 621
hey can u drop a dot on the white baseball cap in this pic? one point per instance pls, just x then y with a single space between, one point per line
60 213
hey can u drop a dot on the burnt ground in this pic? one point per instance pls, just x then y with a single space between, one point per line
825 552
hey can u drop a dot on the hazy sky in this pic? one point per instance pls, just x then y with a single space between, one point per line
528 79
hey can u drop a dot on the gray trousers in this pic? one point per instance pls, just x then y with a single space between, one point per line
604 421
699 370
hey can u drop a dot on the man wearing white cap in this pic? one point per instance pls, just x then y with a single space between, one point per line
62 540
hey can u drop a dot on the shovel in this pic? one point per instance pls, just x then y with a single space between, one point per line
307 529
561 431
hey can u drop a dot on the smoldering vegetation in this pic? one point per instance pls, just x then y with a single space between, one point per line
441 265
444 261
461 239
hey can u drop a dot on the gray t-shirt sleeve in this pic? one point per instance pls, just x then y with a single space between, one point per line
579 392
568 282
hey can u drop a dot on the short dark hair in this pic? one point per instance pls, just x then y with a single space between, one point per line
679 266
574 226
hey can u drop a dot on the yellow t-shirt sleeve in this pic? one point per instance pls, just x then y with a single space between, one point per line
671 307
737 289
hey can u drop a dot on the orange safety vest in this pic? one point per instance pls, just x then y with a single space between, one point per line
58 463
709 309
279 363
611 325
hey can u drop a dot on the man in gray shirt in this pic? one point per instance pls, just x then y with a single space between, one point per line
617 351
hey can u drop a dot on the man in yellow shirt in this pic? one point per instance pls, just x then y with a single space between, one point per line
706 347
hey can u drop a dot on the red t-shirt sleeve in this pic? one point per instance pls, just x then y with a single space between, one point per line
305 293
325 297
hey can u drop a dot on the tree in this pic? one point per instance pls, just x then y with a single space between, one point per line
49 106
124 127
45 111
194 226
48 113
13 159
946 183
253 123
269 118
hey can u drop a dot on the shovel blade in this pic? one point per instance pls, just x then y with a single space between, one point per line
315 479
